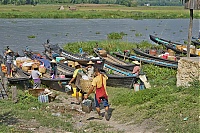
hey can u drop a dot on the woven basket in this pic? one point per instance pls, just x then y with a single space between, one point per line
71 63
35 92
42 69
26 68
85 85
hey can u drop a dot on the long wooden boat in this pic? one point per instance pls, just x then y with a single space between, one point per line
195 42
117 77
170 45
57 83
142 53
74 57
148 60
17 75
113 60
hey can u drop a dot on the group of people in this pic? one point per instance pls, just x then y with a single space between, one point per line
98 82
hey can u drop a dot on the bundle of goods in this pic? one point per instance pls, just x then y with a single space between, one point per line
21 60
103 53
3 68
166 55
42 69
71 63
26 66
197 52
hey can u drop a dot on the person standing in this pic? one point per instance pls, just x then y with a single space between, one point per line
136 68
90 69
35 74
9 61
53 68
99 82
76 77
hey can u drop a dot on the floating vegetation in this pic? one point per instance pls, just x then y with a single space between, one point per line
138 34
180 31
133 30
174 32
97 32
31 36
115 35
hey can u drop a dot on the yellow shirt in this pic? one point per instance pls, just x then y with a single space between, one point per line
76 72
97 81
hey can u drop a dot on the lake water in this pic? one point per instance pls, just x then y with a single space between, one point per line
15 32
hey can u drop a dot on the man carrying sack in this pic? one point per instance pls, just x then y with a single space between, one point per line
99 82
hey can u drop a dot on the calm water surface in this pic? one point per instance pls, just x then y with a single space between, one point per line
15 32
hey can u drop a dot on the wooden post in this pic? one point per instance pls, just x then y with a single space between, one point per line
5 83
14 94
190 33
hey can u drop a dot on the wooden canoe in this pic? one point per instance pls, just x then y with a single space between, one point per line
170 45
119 78
113 60
140 52
74 57
148 60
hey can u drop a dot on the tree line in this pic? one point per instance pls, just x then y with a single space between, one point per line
129 3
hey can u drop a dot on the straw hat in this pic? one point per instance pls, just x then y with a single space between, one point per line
136 62
35 66
76 64
53 61
90 63
9 51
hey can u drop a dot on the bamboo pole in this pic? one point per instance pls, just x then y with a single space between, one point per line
190 33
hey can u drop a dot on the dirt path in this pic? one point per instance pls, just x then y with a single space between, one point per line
85 122
82 120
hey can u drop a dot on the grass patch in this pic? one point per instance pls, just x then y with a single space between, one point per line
109 45
28 108
93 12
167 105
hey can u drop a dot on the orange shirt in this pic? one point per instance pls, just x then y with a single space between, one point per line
97 81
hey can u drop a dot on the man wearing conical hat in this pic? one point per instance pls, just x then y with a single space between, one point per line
90 69
77 78
53 69
35 75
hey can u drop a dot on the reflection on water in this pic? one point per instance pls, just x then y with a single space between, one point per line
15 32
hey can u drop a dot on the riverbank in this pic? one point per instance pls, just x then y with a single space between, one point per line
93 11
163 108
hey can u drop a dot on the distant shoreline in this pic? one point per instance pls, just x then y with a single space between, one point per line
93 12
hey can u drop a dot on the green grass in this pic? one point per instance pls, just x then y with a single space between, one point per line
167 106
11 114
109 45
90 12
